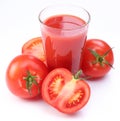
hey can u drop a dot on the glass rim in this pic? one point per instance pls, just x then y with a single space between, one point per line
80 27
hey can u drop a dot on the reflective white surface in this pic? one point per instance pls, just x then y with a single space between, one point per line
19 23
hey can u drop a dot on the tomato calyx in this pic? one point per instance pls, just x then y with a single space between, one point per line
30 80
100 58
77 75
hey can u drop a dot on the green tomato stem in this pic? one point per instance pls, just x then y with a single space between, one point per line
30 80
77 75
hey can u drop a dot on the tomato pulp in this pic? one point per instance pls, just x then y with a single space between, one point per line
63 39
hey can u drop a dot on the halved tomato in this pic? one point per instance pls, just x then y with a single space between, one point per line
34 47
65 92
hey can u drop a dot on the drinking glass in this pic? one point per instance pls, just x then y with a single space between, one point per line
64 32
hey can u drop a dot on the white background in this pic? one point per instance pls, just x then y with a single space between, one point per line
19 23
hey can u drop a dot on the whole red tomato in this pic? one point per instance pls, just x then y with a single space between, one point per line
34 47
97 59
24 76
65 92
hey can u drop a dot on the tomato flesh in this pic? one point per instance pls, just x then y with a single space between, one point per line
61 90
76 94
55 87
34 47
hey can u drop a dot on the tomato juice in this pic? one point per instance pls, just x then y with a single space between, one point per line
63 40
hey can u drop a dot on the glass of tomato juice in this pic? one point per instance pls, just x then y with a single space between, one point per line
64 32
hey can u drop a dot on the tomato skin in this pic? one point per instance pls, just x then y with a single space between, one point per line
96 70
34 47
17 71
65 93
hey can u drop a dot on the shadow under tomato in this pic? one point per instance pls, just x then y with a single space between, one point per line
34 99
79 113
97 78
55 112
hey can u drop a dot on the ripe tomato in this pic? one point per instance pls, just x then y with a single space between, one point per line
97 58
65 92
24 76
34 47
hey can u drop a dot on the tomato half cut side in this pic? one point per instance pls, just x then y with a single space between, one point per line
61 90
34 47
53 84
77 100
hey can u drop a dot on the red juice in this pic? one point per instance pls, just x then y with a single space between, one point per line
63 40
